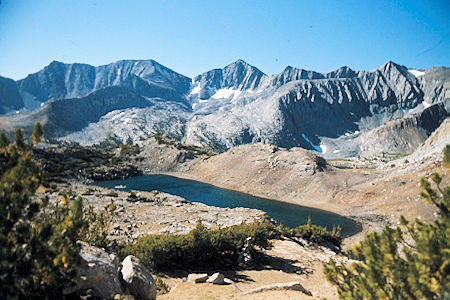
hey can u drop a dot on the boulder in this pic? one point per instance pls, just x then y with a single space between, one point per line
98 272
197 278
216 278
138 279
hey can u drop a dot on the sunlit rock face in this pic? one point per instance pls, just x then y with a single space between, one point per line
222 108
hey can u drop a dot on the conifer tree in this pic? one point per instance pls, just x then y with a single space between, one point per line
19 140
37 133
4 141
407 262
38 253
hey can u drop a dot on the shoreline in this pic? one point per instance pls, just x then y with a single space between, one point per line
362 226
328 207
310 204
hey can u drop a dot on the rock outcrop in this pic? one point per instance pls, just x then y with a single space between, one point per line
98 272
138 279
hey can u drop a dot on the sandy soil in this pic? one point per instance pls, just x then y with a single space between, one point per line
287 262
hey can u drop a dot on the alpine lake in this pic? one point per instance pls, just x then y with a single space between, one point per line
290 215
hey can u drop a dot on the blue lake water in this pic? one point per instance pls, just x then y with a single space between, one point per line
288 214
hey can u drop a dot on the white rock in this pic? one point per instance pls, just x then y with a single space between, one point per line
197 278
216 278
138 279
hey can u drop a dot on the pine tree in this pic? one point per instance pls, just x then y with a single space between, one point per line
19 140
38 253
447 156
37 133
4 141
407 262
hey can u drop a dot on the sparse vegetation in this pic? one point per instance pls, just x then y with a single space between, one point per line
161 286
77 162
166 140
129 149
112 194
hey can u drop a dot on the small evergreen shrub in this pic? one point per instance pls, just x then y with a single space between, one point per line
200 248
315 234
407 262
161 287
38 253
99 222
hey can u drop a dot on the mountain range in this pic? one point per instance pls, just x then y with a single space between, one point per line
340 113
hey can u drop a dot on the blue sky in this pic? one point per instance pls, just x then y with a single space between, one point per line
192 37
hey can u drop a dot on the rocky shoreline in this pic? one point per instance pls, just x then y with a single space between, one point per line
139 213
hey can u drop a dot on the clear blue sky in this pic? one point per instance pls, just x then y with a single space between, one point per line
192 37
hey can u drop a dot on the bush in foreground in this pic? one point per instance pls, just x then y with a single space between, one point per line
39 252
407 262
200 248
203 248
315 233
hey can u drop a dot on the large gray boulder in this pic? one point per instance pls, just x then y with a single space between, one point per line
97 272
138 279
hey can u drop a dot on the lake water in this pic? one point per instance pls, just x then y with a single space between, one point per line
288 214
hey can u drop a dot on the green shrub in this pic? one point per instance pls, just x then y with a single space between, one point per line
39 253
161 287
99 223
200 248
315 234
407 262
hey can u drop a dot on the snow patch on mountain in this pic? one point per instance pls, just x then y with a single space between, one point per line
195 90
225 93
416 73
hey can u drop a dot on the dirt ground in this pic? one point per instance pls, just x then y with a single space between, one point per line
287 262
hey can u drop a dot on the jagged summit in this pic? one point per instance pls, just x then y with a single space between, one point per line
224 107
236 76
59 80
342 72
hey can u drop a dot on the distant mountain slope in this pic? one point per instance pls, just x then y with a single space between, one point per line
222 108
68 115
59 80
10 98
300 108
